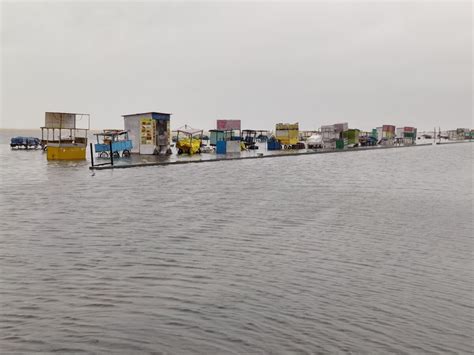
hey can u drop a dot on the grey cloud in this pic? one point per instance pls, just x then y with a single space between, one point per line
368 63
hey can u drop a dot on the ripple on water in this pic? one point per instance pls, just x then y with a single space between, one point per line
311 254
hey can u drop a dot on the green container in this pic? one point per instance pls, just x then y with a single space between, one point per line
374 133
352 136
340 144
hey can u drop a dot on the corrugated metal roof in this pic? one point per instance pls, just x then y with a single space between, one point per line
146 113
66 113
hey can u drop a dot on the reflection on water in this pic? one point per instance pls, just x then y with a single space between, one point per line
363 252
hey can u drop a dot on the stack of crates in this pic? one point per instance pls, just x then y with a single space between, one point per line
334 133
287 133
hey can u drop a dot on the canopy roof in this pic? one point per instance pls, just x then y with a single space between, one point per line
66 113
189 130
154 115
63 120
111 132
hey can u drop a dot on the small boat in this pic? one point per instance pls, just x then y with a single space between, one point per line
25 142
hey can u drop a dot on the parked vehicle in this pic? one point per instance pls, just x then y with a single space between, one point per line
249 138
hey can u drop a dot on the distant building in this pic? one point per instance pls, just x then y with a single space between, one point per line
459 134
406 135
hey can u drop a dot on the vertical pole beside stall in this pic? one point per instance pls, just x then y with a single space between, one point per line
111 154
92 155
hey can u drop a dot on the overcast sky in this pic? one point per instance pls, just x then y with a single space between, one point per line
367 63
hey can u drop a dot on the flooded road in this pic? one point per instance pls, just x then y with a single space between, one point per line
359 252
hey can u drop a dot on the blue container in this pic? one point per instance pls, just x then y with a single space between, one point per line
273 145
221 147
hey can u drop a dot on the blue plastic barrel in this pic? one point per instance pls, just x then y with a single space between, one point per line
221 147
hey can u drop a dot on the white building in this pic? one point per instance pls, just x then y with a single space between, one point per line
150 132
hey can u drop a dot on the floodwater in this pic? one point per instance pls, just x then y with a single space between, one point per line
367 252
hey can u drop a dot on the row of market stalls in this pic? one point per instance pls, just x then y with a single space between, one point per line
143 133
150 133
65 135
339 135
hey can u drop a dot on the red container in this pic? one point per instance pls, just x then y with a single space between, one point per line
388 128
228 124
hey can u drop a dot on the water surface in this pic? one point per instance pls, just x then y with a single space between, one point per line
367 252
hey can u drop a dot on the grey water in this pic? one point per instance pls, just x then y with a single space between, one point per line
364 252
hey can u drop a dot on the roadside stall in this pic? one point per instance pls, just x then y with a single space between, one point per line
113 141
150 132
61 136
287 134
189 140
